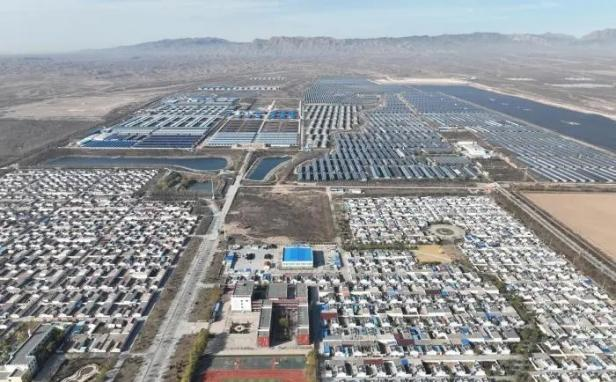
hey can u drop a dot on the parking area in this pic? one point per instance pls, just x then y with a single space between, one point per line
266 261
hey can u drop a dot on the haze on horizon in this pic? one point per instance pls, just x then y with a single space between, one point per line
40 26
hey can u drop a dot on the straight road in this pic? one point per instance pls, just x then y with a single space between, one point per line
156 360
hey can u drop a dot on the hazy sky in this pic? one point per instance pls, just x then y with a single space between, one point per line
63 25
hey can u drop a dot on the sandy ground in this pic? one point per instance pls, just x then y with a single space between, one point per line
582 85
591 215
434 253
420 81
93 107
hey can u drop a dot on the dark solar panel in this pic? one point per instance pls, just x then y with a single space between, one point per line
171 141
109 144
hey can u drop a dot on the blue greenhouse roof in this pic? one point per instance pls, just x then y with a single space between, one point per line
297 253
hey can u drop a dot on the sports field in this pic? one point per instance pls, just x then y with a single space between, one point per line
251 380
256 369
590 215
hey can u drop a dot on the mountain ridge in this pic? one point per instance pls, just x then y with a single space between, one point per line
599 36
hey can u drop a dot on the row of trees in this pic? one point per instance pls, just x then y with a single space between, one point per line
195 354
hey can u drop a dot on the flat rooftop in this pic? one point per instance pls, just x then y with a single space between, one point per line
297 253
303 320
244 289
21 356
265 319
278 290
301 291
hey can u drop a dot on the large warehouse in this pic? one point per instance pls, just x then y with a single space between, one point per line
297 257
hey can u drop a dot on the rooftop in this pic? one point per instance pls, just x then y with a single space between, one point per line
278 290
26 350
303 317
244 289
265 319
297 253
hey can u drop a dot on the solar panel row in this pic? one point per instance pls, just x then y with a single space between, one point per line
169 141
109 144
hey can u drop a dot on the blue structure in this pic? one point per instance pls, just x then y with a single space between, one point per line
283 114
297 257
170 141
109 144
230 259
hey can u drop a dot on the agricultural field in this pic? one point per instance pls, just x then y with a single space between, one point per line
591 215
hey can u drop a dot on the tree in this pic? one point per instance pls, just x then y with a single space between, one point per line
283 322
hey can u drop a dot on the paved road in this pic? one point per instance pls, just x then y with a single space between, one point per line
175 325
444 358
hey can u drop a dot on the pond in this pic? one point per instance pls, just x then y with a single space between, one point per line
205 187
264 166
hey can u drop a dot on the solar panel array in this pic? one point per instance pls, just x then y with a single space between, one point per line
180 122
277 139
169 141
109 144
322 119
236 131
547 155
393 144
342 91
279 128
222 138
283 114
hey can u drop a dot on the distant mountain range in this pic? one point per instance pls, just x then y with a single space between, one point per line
602 36
311 46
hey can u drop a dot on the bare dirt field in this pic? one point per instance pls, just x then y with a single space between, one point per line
88 107
37 128
281 215
434 253
129 370
203 305
591 215
179 359
20 136
420 81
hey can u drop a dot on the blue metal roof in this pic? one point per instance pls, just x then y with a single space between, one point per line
297 254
